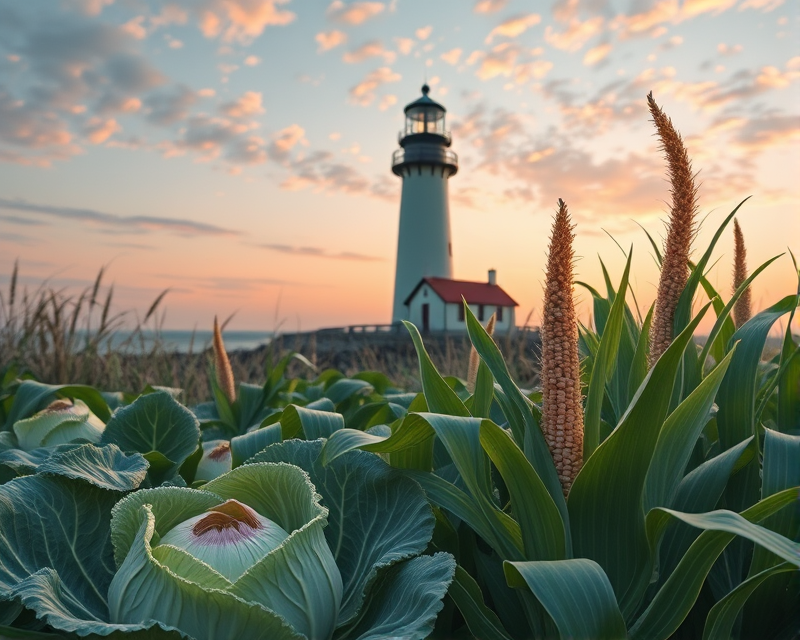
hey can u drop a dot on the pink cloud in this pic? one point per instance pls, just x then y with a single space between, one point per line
372 49
354 13
596 54
452 56
328 40
249 104
500 61
576 35
98 130
489 6
364 92
514 26
242 20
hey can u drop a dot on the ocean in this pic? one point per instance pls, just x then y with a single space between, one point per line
182 341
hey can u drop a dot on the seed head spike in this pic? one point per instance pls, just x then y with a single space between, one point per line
741 310
475 361
222 365
562 407
680 231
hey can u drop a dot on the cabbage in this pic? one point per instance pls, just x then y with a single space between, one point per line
279 548
61 422
216 460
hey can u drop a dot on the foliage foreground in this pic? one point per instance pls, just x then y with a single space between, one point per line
342 507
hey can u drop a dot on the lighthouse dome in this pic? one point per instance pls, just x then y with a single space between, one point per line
425 101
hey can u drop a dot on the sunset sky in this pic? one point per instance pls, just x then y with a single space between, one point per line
238 151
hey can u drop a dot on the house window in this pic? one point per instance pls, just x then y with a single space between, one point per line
424 293
499 314
480 312
461 313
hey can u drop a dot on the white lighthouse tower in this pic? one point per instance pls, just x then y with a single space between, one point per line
424 162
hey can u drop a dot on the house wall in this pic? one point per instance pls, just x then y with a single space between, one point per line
444 317
425 295
454 324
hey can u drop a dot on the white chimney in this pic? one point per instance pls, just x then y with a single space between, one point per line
492 276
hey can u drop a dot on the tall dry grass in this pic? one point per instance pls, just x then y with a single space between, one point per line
60 337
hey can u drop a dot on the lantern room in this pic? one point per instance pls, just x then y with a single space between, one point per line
424 116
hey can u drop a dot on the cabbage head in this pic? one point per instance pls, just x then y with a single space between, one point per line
278 548
59 423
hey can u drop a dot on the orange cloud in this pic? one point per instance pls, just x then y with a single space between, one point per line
355 13
287 138
596 54
387 101
363 93
242 20
692 8
372 49
248 105
423 32
500 61
576 35
452 56
537 69
252 61
134 28
99 130
514 26
489 6
329 40
762 5
404 45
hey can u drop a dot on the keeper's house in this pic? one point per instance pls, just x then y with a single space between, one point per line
435 304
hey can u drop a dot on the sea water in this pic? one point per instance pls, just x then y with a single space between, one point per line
183 341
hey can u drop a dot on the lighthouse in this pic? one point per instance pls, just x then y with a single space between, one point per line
425 162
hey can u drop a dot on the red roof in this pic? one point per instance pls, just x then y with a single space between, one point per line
473 292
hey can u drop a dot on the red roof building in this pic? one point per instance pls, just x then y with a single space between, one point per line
436 304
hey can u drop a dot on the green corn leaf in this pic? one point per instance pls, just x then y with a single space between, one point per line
605 502
531 504
719 347
481 620
698 492
461 439
518 410
446 495
723 316
788 366
788 418
246 446
678 437
601 307
481 401
604 365
440 397
346 388
683 312
673 601
575 593
780 471
722 617
311 423
639 363
736 398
